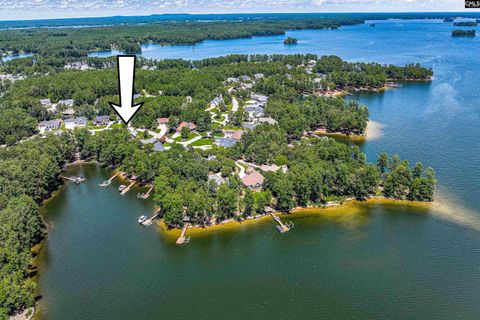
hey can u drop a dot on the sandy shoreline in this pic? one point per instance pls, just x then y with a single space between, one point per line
372 132
335 210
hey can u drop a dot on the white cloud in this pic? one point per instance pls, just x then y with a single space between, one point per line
27 9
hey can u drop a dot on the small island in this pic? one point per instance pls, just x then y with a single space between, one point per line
290 41
466 24
464 33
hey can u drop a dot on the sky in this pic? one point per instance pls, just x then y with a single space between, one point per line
44 9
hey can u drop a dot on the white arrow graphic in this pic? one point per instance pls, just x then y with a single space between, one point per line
126 77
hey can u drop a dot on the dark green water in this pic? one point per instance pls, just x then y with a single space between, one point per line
372 262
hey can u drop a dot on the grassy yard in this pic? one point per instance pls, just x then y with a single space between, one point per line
203 142
190 136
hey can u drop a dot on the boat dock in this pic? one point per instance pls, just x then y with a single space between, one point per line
128 188
182 239
149 221
76 180
282 227
106 183
145 195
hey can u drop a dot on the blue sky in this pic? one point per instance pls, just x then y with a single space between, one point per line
36 9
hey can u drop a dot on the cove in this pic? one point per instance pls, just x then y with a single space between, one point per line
357 261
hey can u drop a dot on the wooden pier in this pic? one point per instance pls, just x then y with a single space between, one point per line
282 227
149 221
182 239
145 195
128 188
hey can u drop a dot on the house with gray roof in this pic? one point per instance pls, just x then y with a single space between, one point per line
216 101
73 123
101 120
49 125
225 142
66 102
254 111
158 147
249 125
259 98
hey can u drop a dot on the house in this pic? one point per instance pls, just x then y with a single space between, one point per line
189 125
245 78
101 120
254 111
50 125
232 80
249 125
216 101
158 147
162 121
258 76
253 180
268 120
288 66
149 140
73 123
246 86
69 112
225 142
233 134
216 178
66 102
259 98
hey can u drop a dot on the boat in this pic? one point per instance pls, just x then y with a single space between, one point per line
122 187
142 219
105 183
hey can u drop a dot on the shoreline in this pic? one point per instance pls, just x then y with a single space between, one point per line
332 208
373 131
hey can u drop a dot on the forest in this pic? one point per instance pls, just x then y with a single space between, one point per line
61 44
292 92
29 172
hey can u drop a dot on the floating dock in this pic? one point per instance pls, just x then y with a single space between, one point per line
182 239
149 221
282 227
128 188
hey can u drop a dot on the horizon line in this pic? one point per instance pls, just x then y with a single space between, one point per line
245 13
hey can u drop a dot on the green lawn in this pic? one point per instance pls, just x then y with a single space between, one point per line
203 142
190 136
117 125
219 134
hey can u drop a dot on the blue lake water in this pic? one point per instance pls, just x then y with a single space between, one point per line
367 262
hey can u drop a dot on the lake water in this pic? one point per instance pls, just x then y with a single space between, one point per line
370 261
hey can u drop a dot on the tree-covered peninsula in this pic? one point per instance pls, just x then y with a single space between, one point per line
222 138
